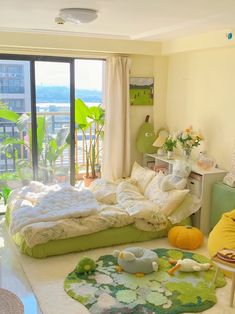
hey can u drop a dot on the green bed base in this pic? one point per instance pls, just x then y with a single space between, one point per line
108 237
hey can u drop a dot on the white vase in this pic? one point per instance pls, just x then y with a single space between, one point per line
160 152
170 154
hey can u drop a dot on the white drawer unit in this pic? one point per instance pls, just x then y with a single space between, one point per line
195 185
200 183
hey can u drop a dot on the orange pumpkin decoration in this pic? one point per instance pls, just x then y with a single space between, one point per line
185 237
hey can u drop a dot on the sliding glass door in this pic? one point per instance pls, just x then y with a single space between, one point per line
15 123
39 137
89 88
52 80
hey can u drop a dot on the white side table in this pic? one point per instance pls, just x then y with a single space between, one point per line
200 183
230 269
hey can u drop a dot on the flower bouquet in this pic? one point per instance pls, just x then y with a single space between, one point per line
189 139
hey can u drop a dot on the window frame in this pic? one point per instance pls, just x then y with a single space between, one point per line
32 59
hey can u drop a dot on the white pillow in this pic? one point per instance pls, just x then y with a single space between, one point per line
142 209
154 186
104 191
168 201
142 175
190 205
127 194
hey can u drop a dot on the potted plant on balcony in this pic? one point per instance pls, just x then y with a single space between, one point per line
49 147
90 120
61 174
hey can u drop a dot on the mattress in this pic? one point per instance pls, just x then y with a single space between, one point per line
104 238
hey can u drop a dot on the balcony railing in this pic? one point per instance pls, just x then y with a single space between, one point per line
54 122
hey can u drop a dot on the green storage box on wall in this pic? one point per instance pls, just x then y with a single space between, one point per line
223 200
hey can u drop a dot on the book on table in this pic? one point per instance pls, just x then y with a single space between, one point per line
225 256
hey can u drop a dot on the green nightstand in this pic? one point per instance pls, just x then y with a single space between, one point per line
223 200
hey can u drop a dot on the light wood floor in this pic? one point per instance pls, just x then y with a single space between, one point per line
12 276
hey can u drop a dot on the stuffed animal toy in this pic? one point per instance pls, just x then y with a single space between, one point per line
86 265
178 178
136 260
187 265
146 137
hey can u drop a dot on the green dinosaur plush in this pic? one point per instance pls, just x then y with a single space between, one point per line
146 137
86 265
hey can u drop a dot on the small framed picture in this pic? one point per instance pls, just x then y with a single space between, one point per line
141 91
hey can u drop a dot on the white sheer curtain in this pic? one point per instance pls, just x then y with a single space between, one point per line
116 154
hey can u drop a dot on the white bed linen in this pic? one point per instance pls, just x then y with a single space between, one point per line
39 224
53 205
42 232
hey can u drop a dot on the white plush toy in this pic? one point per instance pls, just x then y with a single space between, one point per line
178 178
188 265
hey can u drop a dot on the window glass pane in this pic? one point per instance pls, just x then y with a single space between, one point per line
15 146
89 88
53 118
12 77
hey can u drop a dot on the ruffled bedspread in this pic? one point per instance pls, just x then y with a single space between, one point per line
42 213
52 205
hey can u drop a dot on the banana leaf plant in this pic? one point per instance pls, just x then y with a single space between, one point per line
90 120
55 147
5 192
49 147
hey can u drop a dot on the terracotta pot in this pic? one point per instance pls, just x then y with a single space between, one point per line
88 180
61 179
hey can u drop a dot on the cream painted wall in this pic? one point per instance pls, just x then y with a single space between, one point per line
71 45
148 66
160 91
141 66
201 92
198 42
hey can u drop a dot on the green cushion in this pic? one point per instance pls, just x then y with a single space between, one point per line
223 200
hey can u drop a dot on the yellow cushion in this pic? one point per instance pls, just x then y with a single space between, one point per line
223 234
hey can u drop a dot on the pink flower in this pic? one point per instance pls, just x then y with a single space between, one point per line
26 141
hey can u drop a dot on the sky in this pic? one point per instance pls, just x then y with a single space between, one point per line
88 74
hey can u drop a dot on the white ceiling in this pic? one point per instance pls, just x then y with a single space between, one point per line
154 20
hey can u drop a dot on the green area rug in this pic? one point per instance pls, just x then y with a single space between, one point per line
105 291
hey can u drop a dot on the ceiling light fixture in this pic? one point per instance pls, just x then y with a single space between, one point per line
77 15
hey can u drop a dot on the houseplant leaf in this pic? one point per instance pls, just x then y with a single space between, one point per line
96 113
12 141
24 122
82 113
51 152
41 132
5 194
61 136
8 114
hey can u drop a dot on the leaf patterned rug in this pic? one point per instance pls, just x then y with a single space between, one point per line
107 292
